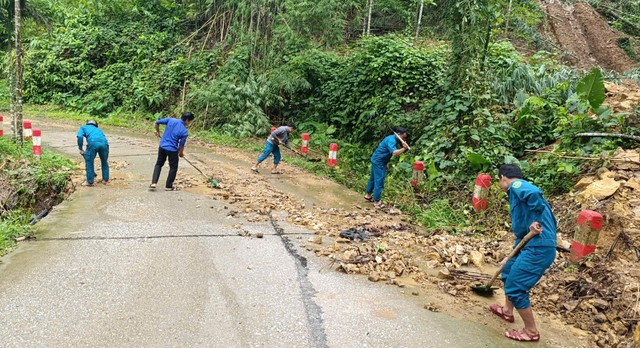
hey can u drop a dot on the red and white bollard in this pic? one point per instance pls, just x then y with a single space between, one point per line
588 226
37 142
27 133
1 126
333 155
418 173
481 192
304 149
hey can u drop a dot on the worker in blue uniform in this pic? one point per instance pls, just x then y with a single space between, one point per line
172 144
279 136
387 148
97 144
530 212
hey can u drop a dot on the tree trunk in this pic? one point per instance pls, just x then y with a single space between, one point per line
506 26
369 18
18 74
12 96
419 19
364 23
184 85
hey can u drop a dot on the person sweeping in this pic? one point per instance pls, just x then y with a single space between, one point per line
172 144
97 144
387 148
280 136
530 212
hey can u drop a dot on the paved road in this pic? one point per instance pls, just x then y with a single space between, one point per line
119 266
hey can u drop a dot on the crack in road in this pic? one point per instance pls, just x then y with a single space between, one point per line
317 334
48 239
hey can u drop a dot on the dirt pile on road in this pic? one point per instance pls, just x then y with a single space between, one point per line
586 37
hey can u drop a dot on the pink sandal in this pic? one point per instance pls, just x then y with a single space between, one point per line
499 311
522 335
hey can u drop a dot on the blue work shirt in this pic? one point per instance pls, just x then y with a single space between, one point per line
93 134
384 152
527 205
175 134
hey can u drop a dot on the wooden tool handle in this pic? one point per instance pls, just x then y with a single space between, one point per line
402 140
513 253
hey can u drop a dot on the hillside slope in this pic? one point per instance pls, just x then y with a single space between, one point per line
586 37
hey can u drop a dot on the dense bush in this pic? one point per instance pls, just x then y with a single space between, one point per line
128 63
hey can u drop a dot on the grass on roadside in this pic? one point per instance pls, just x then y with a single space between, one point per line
32 184
13 224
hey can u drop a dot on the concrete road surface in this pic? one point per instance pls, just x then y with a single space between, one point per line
120 266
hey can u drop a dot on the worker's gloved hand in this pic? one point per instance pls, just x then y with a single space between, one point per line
535 227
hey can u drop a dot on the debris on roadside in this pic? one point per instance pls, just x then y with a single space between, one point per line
600 294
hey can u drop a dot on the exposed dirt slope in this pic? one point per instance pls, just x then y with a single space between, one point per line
586 37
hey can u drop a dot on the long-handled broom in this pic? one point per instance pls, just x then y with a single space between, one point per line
209 179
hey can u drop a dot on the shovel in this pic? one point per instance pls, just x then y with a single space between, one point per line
210 180
487 290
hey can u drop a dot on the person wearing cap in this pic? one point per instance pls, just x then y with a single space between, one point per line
279 136
530 212
97 144
171 146
387 148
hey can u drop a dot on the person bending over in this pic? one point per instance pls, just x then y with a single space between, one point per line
530 212
171 146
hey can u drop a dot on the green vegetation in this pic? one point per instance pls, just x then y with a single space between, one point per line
470 100
29 186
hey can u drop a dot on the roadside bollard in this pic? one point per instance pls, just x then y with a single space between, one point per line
27 133
418 173
333 155
588 226
1 126
481 191
304 149
37 143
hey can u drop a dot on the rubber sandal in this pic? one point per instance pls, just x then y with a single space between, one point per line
499 311
254 169
379 205
170 189
368 199
87 184
522 336
152 187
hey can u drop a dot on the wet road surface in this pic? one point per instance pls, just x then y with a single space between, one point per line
120 266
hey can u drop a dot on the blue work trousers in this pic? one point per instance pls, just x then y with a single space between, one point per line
376 180
523 271
269 149
101 149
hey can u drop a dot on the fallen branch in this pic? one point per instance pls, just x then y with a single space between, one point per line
582 158
563 156
609 135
